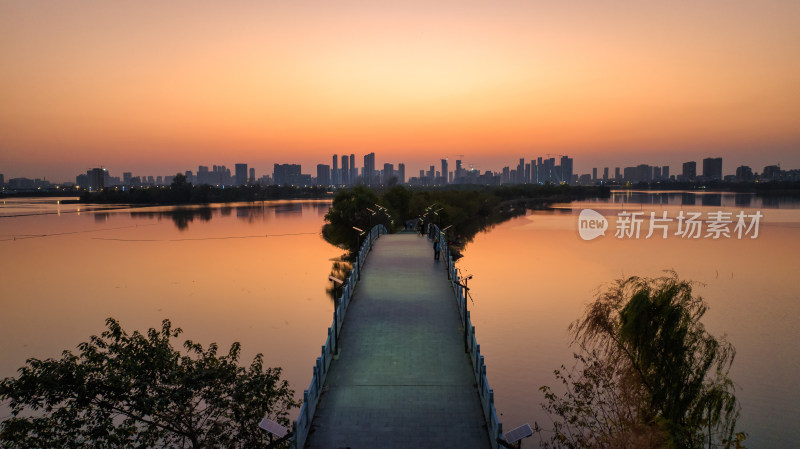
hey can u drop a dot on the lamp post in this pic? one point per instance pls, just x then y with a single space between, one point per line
372 212
358 243
466 295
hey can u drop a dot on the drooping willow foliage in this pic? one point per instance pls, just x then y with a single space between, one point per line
648 374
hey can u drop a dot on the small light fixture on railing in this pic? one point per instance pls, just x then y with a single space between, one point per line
517 435
275 429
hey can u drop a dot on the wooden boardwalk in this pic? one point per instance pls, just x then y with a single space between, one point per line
402 378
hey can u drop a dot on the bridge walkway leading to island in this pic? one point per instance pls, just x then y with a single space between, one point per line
402 377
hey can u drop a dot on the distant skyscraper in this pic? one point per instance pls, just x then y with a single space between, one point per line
323 175
241 174
549 171
630 174
458 173
286 174
345 170
401 173
665 172
252 177
335 171
744 173
353 170
605 174
519 175
95 178
539 170
127 178
644 173
369 169
689 170
388 173
712 168
444 171
566 169
594 174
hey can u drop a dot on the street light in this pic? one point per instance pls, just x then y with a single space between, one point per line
358 242
466 294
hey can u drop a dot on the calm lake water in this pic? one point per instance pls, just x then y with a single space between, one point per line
257 273
534 275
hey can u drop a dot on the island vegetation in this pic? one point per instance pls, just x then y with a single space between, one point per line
138 391
647 374
463 210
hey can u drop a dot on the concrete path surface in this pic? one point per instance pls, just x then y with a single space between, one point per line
402 378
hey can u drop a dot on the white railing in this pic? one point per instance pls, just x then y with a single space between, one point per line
471 343
311 396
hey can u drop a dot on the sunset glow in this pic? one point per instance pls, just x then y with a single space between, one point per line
167 86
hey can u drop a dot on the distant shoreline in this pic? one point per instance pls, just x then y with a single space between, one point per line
205 194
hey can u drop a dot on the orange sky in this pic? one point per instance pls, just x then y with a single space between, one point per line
156 88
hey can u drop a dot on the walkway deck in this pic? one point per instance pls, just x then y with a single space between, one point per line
402 378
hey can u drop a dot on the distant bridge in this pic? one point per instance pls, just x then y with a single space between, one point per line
400 371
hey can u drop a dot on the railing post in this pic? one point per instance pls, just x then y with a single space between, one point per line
335 332
306 405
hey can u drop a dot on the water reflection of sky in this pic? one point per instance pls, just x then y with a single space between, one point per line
237 272
533 276
723 199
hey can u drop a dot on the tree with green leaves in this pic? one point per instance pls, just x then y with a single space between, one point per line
648 374
350 208
137 391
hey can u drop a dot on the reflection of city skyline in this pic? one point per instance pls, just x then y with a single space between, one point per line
182 216
717 199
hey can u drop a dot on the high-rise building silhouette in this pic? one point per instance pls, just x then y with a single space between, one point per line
323 175
286 174
566 169
712 168
335 171
353 170
444 171
744 173
689 170
388 173
369 169
401 173
241 174
96 178
549 170
345 170
539 170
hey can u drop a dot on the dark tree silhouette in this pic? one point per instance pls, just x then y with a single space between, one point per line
648 373
137 391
